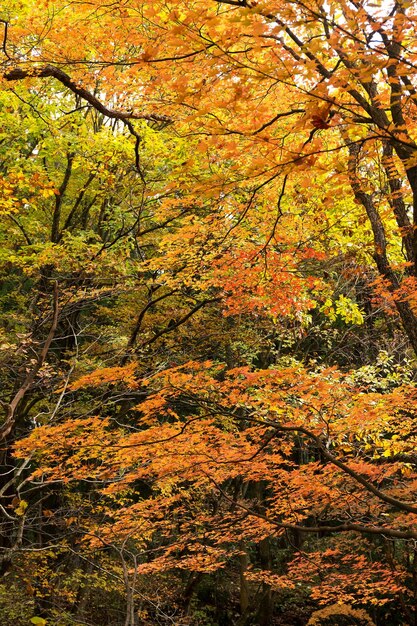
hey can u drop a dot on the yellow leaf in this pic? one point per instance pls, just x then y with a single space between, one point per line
21 509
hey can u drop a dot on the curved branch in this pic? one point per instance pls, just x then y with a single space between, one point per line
343 527
4 43
172 326
47 71
399 504
7 426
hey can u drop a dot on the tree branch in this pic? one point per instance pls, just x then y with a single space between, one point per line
361 528
47 71
7 427
399 504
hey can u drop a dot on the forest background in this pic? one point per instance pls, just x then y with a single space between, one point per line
208 312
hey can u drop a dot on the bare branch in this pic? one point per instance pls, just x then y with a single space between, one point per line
4 43
7 427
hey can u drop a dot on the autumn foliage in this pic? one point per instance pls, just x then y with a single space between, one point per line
208 313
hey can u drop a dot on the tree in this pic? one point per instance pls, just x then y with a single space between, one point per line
343 71
211 204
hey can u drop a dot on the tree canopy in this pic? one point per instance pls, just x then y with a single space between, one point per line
208 312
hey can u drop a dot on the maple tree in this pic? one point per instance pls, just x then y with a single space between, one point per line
209 247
